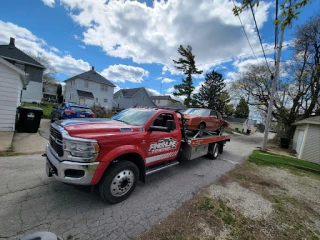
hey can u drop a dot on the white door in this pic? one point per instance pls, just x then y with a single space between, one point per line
299 141
81 101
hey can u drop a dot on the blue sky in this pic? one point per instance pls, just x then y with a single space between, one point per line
132 43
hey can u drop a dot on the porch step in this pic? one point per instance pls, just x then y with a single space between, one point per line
160 167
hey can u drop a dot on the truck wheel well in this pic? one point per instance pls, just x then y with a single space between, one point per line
137 160
203 123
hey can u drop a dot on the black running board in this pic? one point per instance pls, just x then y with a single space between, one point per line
161 167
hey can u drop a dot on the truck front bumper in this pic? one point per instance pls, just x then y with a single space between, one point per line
68 171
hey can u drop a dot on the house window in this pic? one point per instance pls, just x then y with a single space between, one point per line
96 99
158 101
86 83
105 100
104 88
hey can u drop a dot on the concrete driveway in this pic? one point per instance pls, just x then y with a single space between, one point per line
29 201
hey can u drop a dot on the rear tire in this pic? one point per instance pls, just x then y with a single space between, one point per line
215 151
118 182
201 128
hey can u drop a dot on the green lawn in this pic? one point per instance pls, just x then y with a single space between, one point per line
271 159
46 107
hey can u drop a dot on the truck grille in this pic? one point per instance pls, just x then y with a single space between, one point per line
56 141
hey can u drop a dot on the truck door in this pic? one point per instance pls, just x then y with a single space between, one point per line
162 146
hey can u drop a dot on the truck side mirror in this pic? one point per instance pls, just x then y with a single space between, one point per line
171 125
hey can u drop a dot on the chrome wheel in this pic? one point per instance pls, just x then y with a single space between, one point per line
201 129
221 130
122 183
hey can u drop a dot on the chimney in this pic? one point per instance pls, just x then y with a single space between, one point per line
11 42
92 68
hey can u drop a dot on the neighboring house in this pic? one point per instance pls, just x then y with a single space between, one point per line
134 97
167 101
306 140
161 101
89 88
33 93
12 82
50 92
240 124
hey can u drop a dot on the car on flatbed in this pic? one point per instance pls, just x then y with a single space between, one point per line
114 154
68 110
203 119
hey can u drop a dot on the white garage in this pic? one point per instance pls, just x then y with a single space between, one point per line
306 140
12 81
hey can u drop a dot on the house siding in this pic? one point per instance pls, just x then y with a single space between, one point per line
33 93
95 88
10 92
311 149
162 102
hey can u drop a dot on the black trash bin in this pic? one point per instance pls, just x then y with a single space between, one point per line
28 119
284 142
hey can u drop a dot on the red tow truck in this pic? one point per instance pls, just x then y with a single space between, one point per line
115 153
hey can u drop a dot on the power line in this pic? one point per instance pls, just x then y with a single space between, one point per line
245 33
255 22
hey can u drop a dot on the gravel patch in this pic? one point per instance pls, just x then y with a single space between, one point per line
247 202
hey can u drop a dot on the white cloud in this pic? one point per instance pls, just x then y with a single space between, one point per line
81 46
170 90
197 88
164 69
29 43
116 89
122 73
166 80
153 92
131 29
49 3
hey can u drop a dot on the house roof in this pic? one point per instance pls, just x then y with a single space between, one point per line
128 93
85 94
92 75
166 97
13 67
235 120
311 120
11 52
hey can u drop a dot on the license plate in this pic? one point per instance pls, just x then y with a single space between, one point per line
82 115
48 170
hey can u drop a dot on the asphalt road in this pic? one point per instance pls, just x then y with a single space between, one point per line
30 202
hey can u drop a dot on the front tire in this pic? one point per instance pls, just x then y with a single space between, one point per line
118 182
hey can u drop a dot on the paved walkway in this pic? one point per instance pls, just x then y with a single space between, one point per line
5 140
30 202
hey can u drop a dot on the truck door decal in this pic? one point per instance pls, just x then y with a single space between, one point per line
161 156
163 145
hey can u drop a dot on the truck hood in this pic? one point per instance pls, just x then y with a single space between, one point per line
87 128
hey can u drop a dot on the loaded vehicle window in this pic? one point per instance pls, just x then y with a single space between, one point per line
214 114
134 116
198 112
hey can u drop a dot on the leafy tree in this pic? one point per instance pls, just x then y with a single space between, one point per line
297 94
229 109
59 93
242 110
50 71
289 10
187 64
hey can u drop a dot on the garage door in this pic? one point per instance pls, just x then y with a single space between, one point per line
299 140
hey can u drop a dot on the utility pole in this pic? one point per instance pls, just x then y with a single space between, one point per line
273 90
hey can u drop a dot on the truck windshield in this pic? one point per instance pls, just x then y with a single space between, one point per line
134 116
198 112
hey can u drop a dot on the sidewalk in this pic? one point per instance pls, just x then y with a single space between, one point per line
5 140
29 143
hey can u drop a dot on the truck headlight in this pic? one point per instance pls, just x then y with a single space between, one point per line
81 149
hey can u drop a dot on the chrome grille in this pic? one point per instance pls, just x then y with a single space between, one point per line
56 141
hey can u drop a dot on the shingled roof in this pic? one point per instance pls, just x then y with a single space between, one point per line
11 52
92 75
128 92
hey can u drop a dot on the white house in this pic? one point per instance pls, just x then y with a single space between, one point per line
32 93
306 140
50 92
89 88
12 82
161 101
132 97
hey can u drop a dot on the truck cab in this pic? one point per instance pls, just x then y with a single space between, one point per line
115 153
